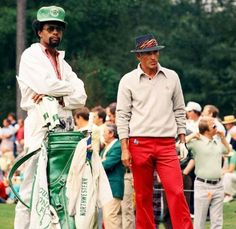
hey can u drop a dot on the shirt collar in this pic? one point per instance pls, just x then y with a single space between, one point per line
207 140
46 50
141 72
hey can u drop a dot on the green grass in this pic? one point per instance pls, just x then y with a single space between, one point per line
229 216
7 212
7 216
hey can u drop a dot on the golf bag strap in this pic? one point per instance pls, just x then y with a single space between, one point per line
17 164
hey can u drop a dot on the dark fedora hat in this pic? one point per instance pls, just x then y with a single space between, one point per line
146 43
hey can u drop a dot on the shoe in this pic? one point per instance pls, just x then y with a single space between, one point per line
227 199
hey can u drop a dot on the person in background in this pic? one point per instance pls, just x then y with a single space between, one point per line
12 117
6 147
213 111
127 204
229 123
6 135
81 117
229 179
16 182
111 160
99 120
3 194
43 71
193 112
150 113
208 186
111 113
20 136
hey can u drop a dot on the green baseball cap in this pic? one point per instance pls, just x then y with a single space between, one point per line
51 13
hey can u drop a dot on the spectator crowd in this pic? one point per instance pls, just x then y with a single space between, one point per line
203 126
12 146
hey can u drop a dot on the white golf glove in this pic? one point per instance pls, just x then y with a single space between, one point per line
183 151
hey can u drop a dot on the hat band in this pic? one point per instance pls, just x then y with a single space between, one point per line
147 44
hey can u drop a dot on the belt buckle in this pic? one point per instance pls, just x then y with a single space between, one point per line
216 181
127 170
212 181
208 181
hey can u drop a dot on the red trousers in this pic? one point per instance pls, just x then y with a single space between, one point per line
149 154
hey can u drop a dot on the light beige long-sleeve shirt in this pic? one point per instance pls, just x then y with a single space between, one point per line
150 107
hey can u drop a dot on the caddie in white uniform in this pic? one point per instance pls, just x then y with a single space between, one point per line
43 71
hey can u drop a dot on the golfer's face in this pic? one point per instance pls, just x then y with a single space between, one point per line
149 60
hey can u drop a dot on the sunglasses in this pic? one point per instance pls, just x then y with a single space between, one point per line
51 28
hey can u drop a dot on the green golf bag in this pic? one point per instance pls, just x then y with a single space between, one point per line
60 147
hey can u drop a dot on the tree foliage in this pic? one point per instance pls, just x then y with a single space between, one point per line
200 45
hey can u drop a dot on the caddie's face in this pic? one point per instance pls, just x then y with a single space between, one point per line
149 60
51 34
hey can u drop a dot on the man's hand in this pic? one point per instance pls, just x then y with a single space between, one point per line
183 151
37 98
126 158
220 134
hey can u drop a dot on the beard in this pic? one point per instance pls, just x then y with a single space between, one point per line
53 44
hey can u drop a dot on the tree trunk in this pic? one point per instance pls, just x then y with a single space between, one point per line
20 46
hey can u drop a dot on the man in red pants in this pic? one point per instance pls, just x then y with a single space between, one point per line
150 112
